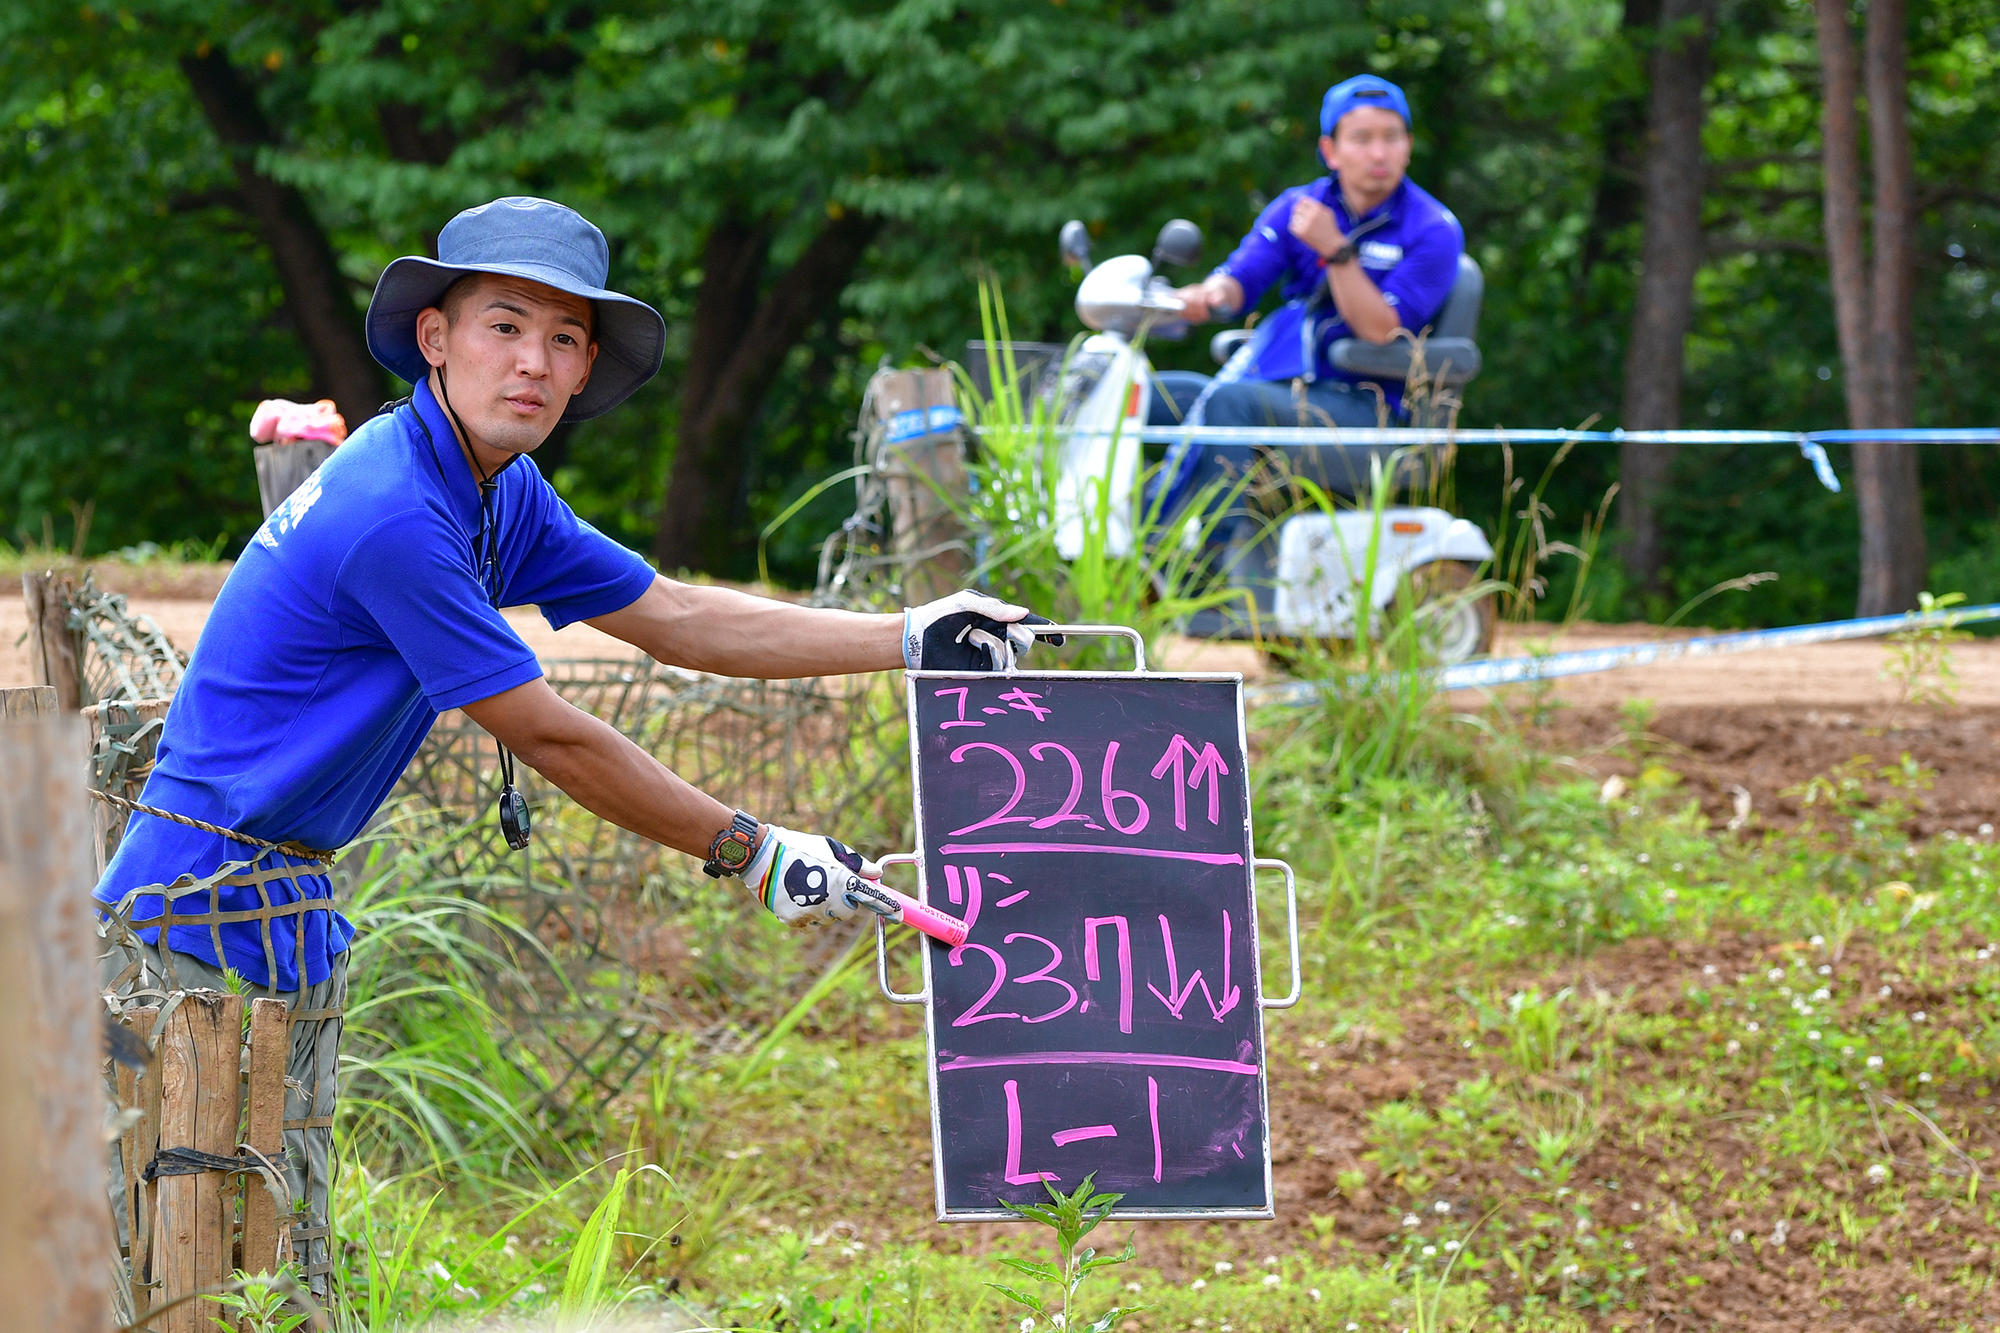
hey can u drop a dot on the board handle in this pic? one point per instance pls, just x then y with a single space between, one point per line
1291 926
882 943
1126 632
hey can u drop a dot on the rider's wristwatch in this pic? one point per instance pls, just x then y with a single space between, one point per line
730 851
1344 255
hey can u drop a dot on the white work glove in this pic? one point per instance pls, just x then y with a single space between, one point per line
968 631
805 879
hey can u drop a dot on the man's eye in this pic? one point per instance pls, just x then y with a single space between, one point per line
502 326
567 339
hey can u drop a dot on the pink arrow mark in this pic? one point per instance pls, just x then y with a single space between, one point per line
1207 765
1176 995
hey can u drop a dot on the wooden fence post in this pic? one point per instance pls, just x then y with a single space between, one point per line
123 772
55 1238
923 463
281 467
264 1130
54 651
27 701
200 1071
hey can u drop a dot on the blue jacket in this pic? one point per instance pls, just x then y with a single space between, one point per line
356 615
1408 245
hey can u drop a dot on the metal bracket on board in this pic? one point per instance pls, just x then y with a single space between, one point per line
1291 925
1126 632
882 943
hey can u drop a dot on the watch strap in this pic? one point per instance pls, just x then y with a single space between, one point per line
730 850
1344 255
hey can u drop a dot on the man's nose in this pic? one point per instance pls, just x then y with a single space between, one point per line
531 358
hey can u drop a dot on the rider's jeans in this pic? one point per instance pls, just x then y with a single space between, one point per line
1252 403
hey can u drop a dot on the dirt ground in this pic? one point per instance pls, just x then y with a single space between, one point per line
1747 726
1740 728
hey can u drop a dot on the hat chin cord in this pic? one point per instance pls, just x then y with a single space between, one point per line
511 808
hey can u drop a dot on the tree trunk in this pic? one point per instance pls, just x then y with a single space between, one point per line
1672 184
743 329
1621 128
1872 310
316 295
1840 149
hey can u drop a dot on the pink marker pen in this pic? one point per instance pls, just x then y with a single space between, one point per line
886 902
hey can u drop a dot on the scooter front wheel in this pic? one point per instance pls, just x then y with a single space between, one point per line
1453 621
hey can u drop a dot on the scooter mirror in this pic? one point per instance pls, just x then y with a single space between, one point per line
1179 243
1074 243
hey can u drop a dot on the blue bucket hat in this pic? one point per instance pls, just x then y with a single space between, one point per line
523 237
1359 91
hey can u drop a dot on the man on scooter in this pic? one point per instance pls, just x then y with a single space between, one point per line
1361 253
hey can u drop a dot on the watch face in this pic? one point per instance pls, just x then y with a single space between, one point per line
733 853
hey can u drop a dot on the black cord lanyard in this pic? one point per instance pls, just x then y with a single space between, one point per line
511 807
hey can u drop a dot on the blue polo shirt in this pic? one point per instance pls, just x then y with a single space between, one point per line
1408 245
354 617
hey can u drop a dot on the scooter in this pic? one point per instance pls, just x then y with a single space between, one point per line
1302 572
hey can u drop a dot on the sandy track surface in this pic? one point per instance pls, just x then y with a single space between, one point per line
1834 675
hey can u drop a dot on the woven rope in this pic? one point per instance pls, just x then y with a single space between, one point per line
288 848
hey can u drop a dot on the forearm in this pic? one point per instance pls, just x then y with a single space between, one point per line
603 771
1361 303
725 632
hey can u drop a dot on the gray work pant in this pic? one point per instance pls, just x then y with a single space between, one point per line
311 1083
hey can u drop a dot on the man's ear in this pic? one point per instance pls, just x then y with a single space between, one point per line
431 326
1326 150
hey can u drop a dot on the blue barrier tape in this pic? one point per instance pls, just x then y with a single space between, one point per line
1810 444
1516 670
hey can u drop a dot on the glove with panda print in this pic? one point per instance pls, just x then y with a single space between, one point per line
805 879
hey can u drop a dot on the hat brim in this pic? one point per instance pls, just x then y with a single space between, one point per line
631 336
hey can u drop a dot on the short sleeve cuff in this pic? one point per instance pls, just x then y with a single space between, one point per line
603 602
488 685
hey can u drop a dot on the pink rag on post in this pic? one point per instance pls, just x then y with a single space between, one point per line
282 421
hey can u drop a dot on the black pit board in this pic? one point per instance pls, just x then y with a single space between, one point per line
1104 1014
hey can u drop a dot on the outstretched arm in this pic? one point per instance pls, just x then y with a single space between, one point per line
732 633
600 768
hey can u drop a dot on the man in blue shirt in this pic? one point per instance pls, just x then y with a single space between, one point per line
370 601
1361 253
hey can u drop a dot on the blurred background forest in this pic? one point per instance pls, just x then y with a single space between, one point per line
197 195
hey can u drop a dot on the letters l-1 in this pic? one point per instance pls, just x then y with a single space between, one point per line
885 901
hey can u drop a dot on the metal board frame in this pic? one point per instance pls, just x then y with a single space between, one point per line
913 682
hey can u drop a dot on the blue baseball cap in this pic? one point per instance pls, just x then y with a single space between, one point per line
1361 90
544 242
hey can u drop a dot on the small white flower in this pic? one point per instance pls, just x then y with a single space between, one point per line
1412 1220
1198 1284
1028 1325
1451 1247
1883 993
1817 940
1441 1207
1917 1017
1272 1279
1923 1078
1751 1026
1270 1261
1733 1047
1812 1035
1825 970
1874 1062
1877 1174
1708 970
1571 1270
1736 1236
1776 974
1224 1266
1430 1250
1134 1288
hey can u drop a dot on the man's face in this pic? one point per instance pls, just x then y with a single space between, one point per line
1370 148
512 354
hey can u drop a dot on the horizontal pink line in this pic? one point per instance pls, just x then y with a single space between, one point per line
1210 858
1096 1058
1064 1137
